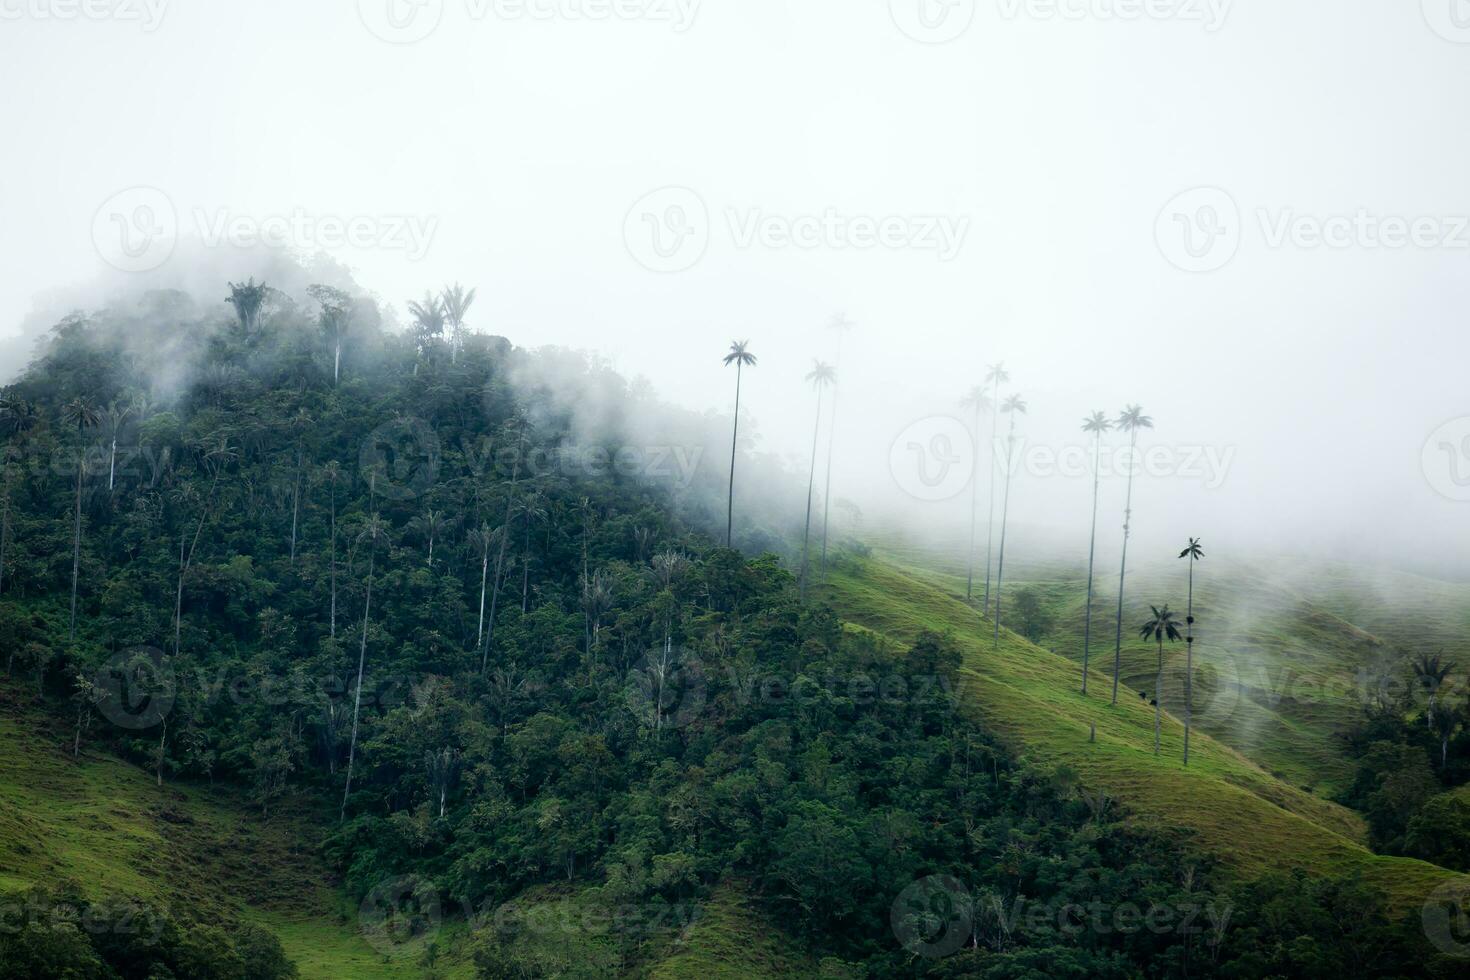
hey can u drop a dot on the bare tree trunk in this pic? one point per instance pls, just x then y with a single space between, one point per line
974 507
827 488
990 521
333 623
1189 661
811 481
1123 565
1091 555
76 552
1159 695
734 436
367 606
1004 518
112 464
162 745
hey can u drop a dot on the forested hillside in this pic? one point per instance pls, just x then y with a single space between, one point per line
456 604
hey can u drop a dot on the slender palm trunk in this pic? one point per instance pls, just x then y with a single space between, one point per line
990 521
367 606
734 437
1189 662
525 563
827 488
76 553
1004 513
336 362
484 575
1159 695
112 464
1123 565
1091 555
505 533
810 484
295 506
333 561
186 560
974 507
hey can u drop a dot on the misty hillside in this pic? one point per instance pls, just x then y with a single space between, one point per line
338 650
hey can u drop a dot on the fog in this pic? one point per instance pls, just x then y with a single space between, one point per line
1247 218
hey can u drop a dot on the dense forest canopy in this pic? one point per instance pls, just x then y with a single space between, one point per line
473 602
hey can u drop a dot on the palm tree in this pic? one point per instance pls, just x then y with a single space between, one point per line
1130 420
456 302
483 539
372 532
740 356
979 400
1194 553
531 511
215 459
114 417
1446 723
1163 626
333 472
1431 673
1013 406
428 322
336 319
1097 423
995 376
81 416
247 298
842 325
820 376
428 526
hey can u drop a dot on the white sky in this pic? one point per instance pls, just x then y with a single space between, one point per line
1060 140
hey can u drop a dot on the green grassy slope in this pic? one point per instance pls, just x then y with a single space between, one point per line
1253 820
1285 647
103 823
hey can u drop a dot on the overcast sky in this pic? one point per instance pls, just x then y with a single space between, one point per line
1248 217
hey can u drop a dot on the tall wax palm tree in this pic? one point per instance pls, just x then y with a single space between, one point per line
1131 420
332 472
428 526
215 459
995 376
428 322
335 320
841 325
977 399
456 302
114 417
1013 406
1431 672
1097 423
531 511
1162 627
740 356
482 539
372 533
81 416
1194 553
247 298
820 376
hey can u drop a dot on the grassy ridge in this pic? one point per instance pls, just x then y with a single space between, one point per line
103 823
1253 820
